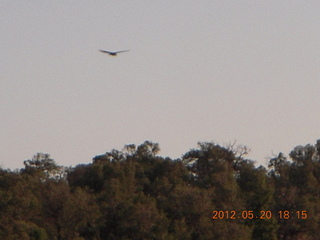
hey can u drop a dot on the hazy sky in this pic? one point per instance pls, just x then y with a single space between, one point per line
196 71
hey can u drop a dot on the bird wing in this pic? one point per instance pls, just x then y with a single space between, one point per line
104 51
122 51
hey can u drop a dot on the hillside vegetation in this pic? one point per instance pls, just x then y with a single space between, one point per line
212 192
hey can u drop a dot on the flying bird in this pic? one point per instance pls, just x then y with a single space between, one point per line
114 53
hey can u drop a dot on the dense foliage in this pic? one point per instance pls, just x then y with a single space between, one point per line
135 194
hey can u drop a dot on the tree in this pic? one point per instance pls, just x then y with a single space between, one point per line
135 194
297 188
20 207
79 216
257 191
214 168
43 166
148 149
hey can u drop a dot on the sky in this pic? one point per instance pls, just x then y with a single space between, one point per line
197 71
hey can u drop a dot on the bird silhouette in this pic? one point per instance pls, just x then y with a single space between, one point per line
114 53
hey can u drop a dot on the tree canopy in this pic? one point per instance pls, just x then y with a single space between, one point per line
212 192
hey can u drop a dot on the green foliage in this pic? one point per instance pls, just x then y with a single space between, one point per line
136 194
258 195
43 166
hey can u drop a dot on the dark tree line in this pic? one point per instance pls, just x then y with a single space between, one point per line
136 194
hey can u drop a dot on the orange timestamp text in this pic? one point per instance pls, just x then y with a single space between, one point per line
248 214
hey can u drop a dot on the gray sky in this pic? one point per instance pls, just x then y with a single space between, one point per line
196 71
